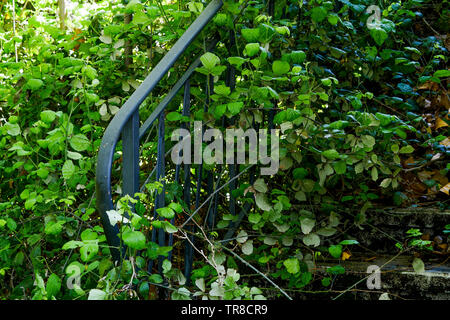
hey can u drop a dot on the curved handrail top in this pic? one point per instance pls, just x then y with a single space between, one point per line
113 131
173 92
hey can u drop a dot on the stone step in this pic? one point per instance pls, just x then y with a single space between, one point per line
397 277
384 227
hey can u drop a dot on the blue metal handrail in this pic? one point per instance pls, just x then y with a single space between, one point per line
126 124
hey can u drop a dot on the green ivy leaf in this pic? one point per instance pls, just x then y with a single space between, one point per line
331 154
407 149
74 155
280 67
326 232
42 173
219 111
368 141
254 218
140 17
178 208
134 239
252 49
96 294
68 169
311 239
308 185
297 57
442 74
340 167
386 182
166 212
156 278
348 242
266 33
89 250
13 129
222 90
336 270
235 107
166 266
237 61
335 251
72 244
292 265
168 227
261 202
307 224
79 142
53 285
374 174
247 247
260 185
90 72
379 35
318 14
54 227
174 116
48 116
333 19
209 60
300 173
34 84
250 34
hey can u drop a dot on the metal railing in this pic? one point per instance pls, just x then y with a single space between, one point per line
126 126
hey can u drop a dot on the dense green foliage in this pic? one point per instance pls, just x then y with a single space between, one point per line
359 108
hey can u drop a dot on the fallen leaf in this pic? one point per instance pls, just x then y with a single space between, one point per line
436 156
346 255
445 189
424 175
429 85
425 237
443 180
445 101
384 296
445 142
440 123
410 162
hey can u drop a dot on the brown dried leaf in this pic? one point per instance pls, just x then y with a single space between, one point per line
410 162
346 255
440 123
424 175
429 85
446 189
445 142
443 180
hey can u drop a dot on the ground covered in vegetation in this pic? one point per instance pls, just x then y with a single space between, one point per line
361 100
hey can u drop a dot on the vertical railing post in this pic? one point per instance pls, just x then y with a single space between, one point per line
160 176
130 154
272 7
189 250
210 216
125 125
231 82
